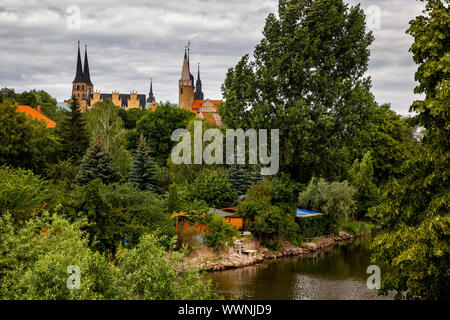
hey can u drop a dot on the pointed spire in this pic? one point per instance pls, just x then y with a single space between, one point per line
79 77
185 72
151 97
198 94
86 75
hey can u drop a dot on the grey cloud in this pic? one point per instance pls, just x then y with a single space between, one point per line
133 41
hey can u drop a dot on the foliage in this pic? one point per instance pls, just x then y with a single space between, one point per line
73 133
361 177
212 187
220 233
63 171
239 179
34 259
414 211
157 127
138 212
334 199
103 121
152 274
96 164
131 116
260 192
24 142
358 228
144 171
23 194
314 226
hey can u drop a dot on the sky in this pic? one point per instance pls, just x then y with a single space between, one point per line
131 41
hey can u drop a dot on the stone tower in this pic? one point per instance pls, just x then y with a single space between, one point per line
186 86
198 95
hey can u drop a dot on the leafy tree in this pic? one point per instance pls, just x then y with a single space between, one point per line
306 79
335 199
25 142
362 179
212 187
157 127
414 211
137 212
96 164
239 178
144 171
73 133
152 274
34 259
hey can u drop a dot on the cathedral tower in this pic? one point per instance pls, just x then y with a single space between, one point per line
78 84
186 86
198 95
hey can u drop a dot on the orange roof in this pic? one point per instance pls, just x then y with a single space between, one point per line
198 104
37 115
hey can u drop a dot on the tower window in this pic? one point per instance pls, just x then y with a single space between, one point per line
181 90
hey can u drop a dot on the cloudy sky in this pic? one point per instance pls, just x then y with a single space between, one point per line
131 41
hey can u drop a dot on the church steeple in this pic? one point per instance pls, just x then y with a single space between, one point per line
186 84
86 75
79 77
151 97
198 95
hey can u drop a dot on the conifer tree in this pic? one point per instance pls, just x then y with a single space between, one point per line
96 164
239 178
144 171
256 177
73 133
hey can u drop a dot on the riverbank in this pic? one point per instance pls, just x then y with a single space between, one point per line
211 259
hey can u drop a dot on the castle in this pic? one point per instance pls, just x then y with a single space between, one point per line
191 97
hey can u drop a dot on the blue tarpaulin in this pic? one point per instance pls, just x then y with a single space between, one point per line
303 212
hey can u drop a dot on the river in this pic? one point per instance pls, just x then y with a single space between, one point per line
337 273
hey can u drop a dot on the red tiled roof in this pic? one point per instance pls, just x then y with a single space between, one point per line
37 115
198 104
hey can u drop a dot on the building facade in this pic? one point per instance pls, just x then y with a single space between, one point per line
83 89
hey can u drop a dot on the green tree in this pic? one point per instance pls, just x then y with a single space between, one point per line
96 164
239 178
414 211
362 178
73 133
25 142
144 171
103 120
307 80
335 199
212 187
157 127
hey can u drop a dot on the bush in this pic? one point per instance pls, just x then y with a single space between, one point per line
312 227
220 232
34 260
260 192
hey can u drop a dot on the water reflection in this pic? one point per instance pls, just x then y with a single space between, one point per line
335 273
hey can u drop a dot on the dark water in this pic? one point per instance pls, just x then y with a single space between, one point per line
336 273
